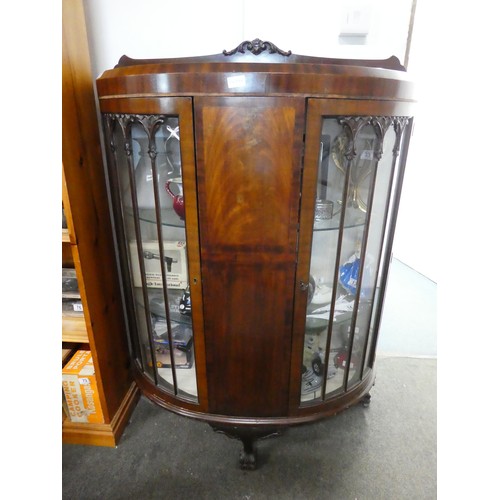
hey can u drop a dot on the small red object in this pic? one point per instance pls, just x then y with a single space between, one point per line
178 201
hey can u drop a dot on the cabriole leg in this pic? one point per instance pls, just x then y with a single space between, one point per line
366 400
248 436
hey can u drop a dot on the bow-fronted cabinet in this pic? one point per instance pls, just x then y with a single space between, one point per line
255 196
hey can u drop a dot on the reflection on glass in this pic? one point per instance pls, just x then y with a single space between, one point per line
344 348
372 252
148 163
352 190
329 194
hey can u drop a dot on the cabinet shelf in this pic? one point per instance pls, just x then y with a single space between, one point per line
354 217
168 217
74 329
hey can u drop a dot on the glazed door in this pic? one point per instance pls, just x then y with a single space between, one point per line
152 177
248 172
351 184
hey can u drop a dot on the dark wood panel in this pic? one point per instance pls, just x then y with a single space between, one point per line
269 74
249 163
249 179
248 328
376 84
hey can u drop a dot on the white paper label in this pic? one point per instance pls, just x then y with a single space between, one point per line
78 307
236 81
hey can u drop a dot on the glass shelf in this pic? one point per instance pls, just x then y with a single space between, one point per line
354 217
168 217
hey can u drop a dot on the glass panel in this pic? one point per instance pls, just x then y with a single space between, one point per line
153 212
344 349
372 252
125 194
391 140
329 195
343 194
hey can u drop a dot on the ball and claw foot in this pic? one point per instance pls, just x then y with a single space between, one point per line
366 400
248 458
248 436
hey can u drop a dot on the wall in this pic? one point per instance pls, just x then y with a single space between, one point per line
166 28
159 28
416 238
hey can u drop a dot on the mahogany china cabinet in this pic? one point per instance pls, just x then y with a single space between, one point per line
255 195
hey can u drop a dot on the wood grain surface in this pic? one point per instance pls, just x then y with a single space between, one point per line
249 164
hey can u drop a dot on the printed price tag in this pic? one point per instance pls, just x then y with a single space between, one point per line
236 81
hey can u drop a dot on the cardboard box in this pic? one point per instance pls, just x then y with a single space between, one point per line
174 253
182 338
80 389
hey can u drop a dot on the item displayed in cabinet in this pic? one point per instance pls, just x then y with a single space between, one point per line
182 339
324 207
349 275
157 305
80 389
340 360
168 260
310 381
177 199
323 210
314 328
185 302
322 294
312 358
174 255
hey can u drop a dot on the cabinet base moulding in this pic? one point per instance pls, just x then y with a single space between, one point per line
102 434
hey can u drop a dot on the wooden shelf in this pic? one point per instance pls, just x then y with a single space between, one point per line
74 329
88 245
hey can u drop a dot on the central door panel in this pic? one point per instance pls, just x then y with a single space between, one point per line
248 173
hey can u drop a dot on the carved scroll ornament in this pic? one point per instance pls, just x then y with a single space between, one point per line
256 47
